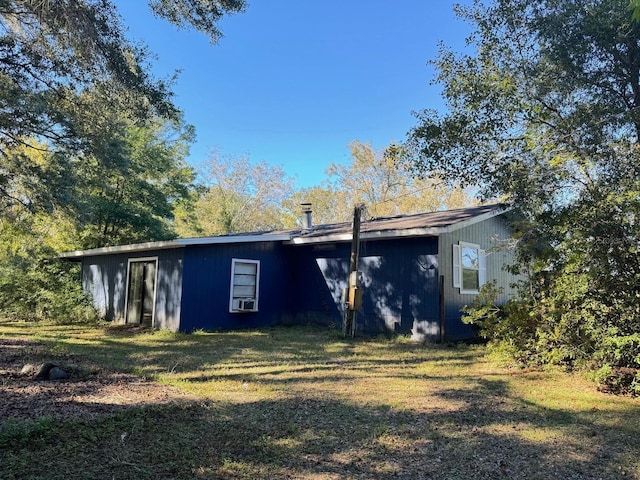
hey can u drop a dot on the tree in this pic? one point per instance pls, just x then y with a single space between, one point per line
91 145
63 61
133 196
203 15
546 114
380 180
329 205
33 284
240 196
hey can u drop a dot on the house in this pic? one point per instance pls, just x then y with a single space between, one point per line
416 272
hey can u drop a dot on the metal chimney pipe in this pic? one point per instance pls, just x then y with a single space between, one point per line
307 220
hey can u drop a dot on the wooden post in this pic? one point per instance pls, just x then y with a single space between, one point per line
349 324
441 304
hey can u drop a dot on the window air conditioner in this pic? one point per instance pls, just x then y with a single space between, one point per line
244 305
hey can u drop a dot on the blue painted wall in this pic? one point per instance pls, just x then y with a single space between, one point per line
319 275
302 284
400 285
206 284
105 278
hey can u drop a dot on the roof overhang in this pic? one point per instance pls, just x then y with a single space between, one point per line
394 233
178 243
342 233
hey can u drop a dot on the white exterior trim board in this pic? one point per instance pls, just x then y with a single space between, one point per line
178 243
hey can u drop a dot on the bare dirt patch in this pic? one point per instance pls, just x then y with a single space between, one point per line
89 391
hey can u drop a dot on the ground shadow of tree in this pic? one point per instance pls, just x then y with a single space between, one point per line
303 437
477 429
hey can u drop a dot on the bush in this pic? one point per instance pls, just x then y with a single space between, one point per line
36 285
567 327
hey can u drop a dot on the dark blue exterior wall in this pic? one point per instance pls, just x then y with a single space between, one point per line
298 284
206 284
303 284
105 278
319 276
455 328
400 285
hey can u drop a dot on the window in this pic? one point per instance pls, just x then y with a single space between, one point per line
245 280
469 267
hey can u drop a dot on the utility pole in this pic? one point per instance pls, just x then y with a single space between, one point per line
354 294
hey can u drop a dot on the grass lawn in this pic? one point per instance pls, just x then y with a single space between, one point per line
305 403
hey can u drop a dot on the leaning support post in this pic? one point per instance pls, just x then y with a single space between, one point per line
353 296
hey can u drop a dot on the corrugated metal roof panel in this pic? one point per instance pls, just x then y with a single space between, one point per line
421 224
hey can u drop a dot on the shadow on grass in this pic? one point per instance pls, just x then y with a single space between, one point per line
311 438
300 349
473 427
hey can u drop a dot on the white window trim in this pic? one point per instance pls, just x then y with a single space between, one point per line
232 307
155 286
457 267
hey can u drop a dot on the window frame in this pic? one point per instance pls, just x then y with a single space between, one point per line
232 284
459 269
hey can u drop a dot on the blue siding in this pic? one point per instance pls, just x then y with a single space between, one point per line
455 328
303 283
400 284
169 289
105 278
206 284
320 274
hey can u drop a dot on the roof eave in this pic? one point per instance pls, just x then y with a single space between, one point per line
234 239
135 247
178 243
372 235
473 220
397 233
288 238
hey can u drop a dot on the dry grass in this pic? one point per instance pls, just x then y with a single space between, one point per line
305 403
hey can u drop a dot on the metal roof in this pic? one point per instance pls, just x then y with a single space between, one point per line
179 243
422 224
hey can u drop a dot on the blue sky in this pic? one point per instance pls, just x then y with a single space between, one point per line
293 82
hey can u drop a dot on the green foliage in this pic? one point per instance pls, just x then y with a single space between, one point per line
510 327
329 205
634 6
92 147
200 14
35 285
543 116
567 327
133 197
72 84
380 179
65 68
16 434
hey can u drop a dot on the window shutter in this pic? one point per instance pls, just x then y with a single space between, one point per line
482 273
456 266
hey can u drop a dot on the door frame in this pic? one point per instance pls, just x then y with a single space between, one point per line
155 287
